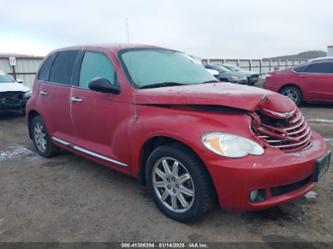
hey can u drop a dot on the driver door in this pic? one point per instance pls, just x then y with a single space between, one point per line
97 116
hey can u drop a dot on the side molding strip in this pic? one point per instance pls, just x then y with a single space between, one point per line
88 152
61 141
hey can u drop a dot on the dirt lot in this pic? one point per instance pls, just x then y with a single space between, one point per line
68 198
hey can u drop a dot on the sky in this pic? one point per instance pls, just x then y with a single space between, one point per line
207 29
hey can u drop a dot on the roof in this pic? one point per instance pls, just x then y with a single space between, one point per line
322 58
113 47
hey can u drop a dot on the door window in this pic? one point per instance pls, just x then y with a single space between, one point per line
96 65
62 67
324 67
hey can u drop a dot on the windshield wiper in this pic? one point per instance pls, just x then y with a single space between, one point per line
210 81
162 84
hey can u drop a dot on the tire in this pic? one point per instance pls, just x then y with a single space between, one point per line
294 93
41 139
197 183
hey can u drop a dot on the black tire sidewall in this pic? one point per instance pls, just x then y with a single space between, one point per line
49 146
195 169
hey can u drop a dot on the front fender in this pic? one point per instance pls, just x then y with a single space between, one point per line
184 125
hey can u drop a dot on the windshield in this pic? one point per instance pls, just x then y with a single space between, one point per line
4 78
232 68
157 66
220 68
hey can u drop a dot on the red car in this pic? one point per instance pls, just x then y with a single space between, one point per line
158 115
312 82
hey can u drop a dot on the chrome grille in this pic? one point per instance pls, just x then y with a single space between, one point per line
289 135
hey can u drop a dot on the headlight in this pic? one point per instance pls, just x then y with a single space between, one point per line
229 145
234 77
27 95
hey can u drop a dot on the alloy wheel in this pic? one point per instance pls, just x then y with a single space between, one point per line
173 184
40 137
292 94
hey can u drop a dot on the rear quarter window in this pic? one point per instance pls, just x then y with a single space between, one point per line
43 73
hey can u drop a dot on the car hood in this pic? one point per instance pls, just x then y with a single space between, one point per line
216 94
232 73
248 72
13 87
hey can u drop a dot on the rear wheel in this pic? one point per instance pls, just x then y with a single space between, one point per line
41 139
178 182
294 93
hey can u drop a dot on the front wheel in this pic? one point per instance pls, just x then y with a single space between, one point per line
292 93
178 182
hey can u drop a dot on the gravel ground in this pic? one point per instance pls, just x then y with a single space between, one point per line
68 198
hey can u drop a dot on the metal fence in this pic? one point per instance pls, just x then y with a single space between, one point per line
262 67
27 66
25 69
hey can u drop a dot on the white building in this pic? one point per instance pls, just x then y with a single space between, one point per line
330 50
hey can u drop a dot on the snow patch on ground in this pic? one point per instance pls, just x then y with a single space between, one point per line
311 195
320 120
15 151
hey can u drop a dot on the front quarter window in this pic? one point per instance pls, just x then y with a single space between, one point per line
155 66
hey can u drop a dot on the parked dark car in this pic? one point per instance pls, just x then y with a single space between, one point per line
13 94
227 75
252 77
311 82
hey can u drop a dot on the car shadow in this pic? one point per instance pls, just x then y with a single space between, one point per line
316 105
8 115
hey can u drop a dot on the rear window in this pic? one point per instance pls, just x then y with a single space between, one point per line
63 66
300 69
324 67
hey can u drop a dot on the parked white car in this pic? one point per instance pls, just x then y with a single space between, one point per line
13 94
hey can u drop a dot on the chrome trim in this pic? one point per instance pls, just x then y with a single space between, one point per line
61 141
298 131
295 126
91 153
307 140
281 115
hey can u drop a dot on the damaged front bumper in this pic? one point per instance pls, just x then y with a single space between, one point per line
13 101
276 177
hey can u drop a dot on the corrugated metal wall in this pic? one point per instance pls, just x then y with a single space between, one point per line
26 68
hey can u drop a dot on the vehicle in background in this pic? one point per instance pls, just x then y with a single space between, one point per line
311 82
13 95
156 114
226 75
252 77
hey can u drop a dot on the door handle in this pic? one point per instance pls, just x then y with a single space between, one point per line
43 93
76 100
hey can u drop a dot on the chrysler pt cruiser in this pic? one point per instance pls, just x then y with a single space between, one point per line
158 115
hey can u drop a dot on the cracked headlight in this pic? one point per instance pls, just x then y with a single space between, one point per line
229 145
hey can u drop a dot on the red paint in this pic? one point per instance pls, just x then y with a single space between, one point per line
118 126
315 87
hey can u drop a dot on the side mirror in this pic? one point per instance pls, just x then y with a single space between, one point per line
19 81
99 84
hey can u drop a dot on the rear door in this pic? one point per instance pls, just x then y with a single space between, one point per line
55 95
100 117
318 80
